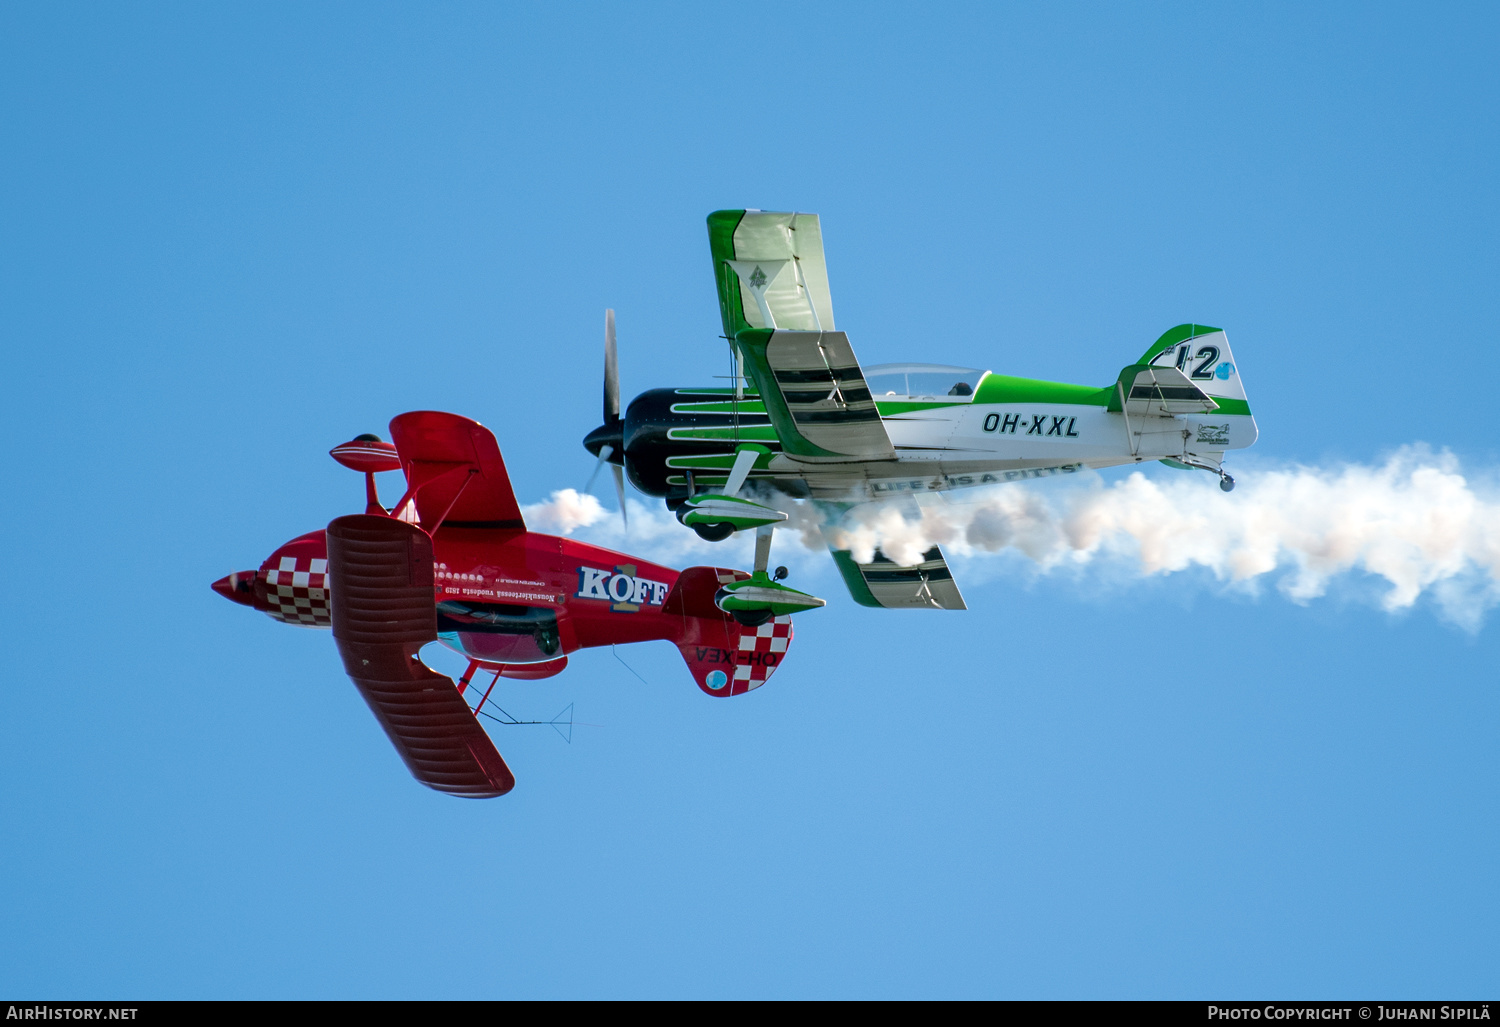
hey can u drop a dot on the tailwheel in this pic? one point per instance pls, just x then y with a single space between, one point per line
1226 482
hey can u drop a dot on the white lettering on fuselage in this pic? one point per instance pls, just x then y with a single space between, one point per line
960 481
620 587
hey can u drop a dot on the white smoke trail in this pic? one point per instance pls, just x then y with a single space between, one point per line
564 512
653 533
1414 522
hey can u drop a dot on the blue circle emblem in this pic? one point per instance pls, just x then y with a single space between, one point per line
1224 370
717 679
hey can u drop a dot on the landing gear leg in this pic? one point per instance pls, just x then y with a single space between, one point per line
756 600
755 618
763 547
463 682
1226 482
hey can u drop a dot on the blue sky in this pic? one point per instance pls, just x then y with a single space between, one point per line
240 234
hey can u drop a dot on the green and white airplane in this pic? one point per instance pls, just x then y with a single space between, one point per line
804 419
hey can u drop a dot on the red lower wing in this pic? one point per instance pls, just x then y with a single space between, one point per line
383 613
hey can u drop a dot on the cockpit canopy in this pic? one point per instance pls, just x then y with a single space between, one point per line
923 382
499 632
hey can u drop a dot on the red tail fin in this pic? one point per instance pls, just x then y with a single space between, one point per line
724 656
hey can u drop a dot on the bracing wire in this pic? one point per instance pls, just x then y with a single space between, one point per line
616 651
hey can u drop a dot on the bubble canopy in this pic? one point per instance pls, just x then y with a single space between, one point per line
923 381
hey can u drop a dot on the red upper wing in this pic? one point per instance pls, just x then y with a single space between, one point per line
455 464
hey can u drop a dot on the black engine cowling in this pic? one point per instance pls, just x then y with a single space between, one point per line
650 421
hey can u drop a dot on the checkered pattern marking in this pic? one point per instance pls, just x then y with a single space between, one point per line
756 644
296 591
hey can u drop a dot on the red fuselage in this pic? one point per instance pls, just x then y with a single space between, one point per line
595 596
519 602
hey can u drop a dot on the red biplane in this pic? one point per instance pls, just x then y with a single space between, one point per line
453 562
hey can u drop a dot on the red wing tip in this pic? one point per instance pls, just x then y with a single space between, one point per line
367 455
496 788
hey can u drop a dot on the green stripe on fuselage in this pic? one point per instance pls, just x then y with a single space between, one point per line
1004 388
744 433
748 405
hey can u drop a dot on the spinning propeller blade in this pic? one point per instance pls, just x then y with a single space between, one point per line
604 452
607 441
620 491
611 371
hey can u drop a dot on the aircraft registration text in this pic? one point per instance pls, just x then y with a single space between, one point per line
1044 425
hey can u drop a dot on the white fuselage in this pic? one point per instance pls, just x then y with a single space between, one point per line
963 445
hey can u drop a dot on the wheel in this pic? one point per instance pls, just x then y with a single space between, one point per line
1226 483
714 532
752 618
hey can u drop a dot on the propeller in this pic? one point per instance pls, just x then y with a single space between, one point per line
611 371
620 492
604 452
607 441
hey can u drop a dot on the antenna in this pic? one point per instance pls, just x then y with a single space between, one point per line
557 723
